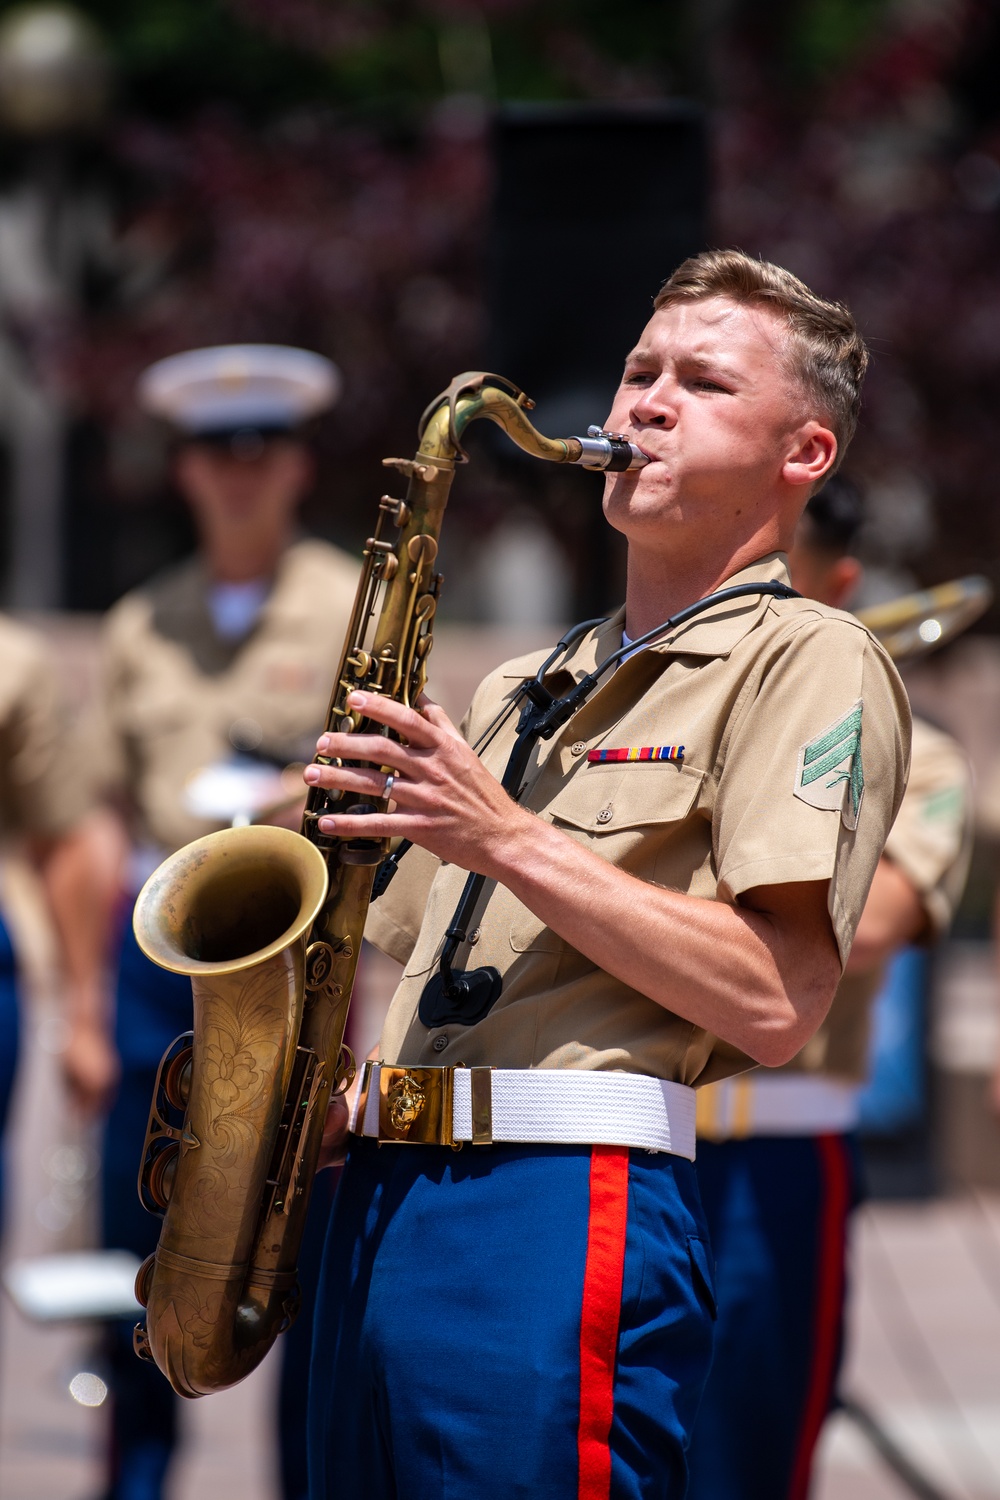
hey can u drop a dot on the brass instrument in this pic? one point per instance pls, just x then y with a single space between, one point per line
911 626
268 924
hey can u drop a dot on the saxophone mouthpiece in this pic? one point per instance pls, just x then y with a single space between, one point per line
609 450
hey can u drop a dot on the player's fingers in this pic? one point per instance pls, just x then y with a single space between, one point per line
407 723
367 780
435 714
364 825
374 748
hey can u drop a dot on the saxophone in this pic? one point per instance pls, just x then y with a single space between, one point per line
267 923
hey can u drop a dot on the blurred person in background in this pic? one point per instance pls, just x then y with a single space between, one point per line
777 1161
44 815
216 677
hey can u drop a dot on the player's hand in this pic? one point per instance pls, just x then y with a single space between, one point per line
90 1067
442 796
334 1147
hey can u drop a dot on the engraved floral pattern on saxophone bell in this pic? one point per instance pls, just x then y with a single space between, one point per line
228 1074
201 1322
406 1099
211 1195
238 1057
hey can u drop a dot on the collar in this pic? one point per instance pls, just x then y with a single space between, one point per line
714 633
719 630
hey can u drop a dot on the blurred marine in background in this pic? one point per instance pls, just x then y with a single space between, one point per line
777 1154
43 815
216 676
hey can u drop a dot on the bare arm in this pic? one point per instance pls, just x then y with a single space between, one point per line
894 915
82 875
761 974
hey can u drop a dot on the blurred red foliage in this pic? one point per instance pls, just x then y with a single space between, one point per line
367 243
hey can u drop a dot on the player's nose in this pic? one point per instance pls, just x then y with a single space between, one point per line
655 405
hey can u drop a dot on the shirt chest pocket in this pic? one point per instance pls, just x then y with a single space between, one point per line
624 813
625 801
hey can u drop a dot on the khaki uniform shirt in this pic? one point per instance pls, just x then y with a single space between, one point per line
931 842
176 697
41 790
795 730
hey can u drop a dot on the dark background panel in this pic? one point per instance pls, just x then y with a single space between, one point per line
594 207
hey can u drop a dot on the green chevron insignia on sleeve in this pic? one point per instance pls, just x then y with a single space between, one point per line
829 773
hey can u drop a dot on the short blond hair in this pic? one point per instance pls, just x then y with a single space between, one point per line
825 351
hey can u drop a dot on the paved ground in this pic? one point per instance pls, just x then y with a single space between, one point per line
925 1349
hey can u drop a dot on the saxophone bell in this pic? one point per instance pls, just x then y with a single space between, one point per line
227 1136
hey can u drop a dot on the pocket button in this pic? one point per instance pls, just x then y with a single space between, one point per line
578 747
606 814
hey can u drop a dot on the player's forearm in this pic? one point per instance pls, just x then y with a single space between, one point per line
736 972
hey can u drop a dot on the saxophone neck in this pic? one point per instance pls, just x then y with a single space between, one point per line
478 394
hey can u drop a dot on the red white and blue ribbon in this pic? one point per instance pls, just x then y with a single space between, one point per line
638 752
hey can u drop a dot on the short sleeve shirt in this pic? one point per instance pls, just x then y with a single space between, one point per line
930 842
41 791
177 698
791 729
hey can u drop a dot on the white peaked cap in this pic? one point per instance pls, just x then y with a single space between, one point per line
239 385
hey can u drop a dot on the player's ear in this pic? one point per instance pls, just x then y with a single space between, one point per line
813 452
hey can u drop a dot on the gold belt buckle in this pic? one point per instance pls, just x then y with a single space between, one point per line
415 1105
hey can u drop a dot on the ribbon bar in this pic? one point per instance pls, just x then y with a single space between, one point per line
638 752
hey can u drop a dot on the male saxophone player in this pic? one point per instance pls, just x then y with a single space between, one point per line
673 893
777 1155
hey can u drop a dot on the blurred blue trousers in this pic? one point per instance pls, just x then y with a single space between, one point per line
509 1321
777 1210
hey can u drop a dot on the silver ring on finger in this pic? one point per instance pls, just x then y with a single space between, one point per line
390 782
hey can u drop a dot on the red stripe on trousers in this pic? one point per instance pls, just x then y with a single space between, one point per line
602 1297
829 1305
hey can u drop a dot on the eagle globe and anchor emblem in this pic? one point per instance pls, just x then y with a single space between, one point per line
406 1100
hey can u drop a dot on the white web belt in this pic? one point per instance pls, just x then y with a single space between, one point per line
535 1106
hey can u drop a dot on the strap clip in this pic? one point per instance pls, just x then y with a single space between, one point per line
481 1087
